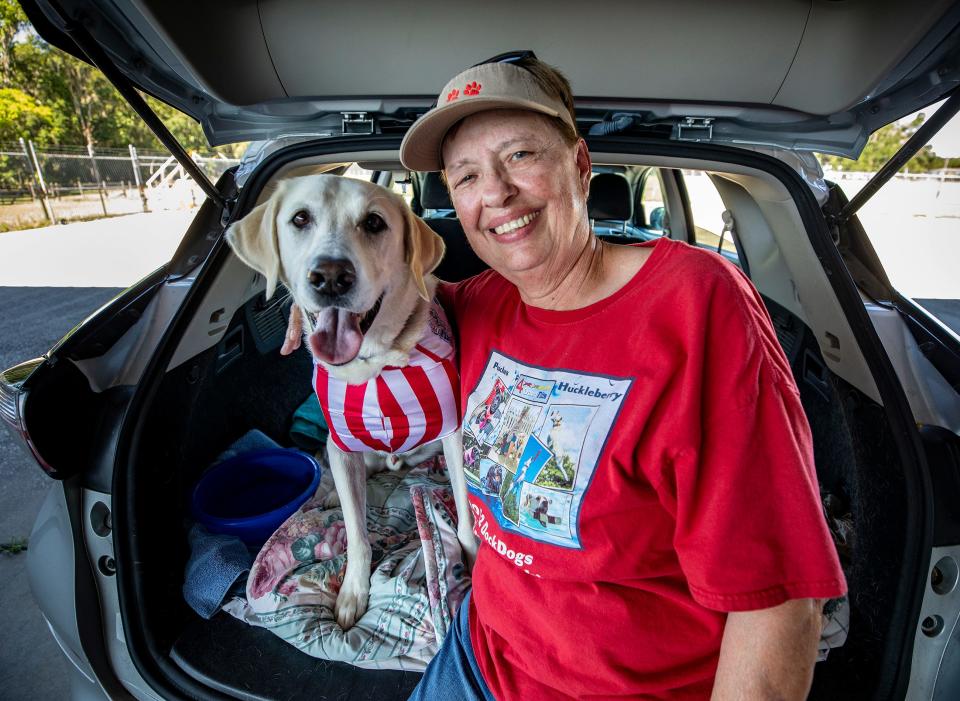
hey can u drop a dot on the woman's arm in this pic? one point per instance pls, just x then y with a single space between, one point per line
294 332
768 655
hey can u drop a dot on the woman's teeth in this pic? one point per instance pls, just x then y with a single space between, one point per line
516 223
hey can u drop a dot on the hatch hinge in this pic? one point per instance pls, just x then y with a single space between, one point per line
226 213
356 123
695 129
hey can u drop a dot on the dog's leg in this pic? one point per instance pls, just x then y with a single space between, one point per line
453 454
326 490
350 478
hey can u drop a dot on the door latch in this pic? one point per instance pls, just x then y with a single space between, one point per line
695 129
356 123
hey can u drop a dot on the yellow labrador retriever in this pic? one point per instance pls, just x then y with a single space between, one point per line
357 262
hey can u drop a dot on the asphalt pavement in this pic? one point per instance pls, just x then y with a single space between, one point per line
946 310
51 279
31 321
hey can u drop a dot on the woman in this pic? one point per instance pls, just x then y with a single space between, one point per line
686 554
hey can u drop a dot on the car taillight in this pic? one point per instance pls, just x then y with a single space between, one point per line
12 399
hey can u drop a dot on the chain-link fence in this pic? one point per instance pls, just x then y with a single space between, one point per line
41 186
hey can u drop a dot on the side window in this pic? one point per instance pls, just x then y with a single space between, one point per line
402 185
652 203
355 171
708 209
913 221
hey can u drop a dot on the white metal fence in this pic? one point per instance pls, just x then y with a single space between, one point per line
65 183
920 195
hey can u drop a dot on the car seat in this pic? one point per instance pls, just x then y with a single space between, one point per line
459 262
610 205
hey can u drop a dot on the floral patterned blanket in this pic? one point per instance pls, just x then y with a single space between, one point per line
417 584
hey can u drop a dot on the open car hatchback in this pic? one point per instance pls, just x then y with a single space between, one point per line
128 409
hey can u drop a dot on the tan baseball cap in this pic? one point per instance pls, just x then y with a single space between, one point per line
488 86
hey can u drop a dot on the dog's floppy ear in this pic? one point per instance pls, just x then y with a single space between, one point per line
254 240
424 250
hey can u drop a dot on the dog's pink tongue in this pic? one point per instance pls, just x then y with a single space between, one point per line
337 337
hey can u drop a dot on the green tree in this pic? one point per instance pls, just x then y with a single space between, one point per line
12 22
22 116
75 90
881 147
86 108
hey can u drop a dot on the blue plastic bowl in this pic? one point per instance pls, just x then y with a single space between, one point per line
251 494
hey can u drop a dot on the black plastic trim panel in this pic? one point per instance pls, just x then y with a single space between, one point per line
50 33
97 335
937 344
205 647
943 453
108 422
204 230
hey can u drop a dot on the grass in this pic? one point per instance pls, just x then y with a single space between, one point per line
38 223
552 476
14 547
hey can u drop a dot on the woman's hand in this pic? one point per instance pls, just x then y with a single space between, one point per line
294 332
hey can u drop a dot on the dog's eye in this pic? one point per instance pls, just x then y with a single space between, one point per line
301 219
374 223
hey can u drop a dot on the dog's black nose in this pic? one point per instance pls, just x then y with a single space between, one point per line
332 276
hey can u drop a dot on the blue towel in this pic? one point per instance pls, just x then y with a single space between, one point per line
248 442
216 562
309 429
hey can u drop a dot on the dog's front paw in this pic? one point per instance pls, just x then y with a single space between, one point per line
351 605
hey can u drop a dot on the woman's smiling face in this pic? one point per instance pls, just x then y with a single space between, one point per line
519 190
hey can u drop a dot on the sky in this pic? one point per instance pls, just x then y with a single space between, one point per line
946 143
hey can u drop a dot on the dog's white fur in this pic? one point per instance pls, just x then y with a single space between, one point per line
395 263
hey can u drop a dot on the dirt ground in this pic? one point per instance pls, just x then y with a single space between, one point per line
28 214
915 228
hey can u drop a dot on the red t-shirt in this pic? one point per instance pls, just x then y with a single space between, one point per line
637 468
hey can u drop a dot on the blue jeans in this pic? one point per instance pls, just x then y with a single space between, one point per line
453 673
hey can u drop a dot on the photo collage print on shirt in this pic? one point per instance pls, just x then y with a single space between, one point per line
531 440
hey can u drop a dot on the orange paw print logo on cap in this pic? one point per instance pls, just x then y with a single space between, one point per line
453 95
472 88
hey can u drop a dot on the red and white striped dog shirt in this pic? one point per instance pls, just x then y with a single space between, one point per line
403 407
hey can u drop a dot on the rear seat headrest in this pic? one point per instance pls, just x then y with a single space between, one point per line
433 193
610 197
